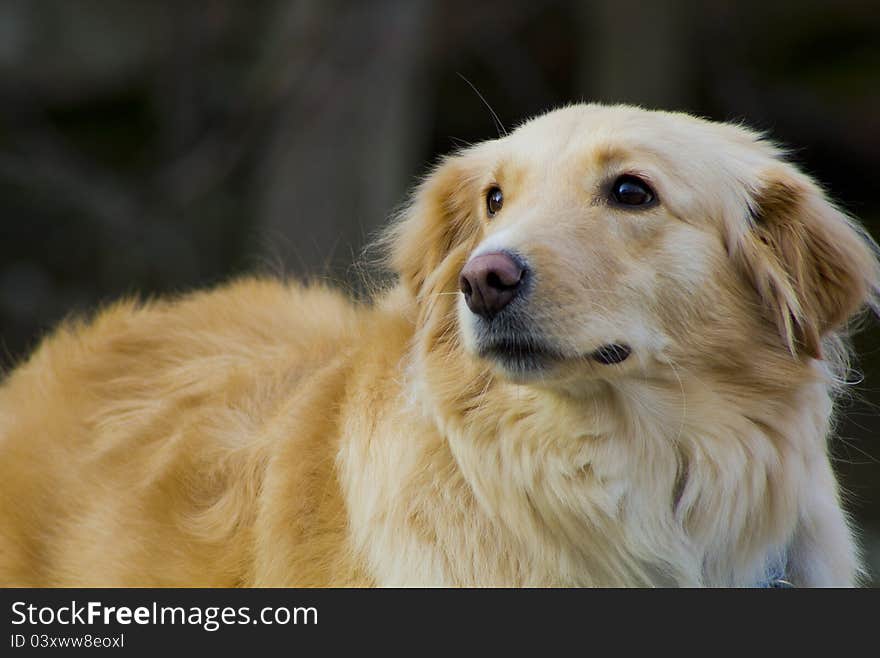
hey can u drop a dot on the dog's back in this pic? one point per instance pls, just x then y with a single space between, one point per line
134 447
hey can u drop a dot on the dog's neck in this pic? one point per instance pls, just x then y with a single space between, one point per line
640 482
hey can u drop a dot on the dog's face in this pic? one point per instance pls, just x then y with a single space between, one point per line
600 242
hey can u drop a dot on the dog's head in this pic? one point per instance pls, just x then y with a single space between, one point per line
599 242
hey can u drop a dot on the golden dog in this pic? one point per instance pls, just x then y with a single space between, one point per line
610 360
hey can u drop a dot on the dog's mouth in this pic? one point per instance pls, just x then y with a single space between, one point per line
528 356
521 355
512 342
611 354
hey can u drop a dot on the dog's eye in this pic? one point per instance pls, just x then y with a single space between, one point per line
494 200
631 191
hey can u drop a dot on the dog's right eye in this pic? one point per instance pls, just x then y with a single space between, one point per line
632 191
494 201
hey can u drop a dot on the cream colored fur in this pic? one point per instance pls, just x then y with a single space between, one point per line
266 433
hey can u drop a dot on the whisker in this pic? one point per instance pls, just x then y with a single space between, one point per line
502 131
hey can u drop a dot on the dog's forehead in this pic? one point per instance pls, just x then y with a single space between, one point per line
580 141
575 139
592 138
581 126
585 121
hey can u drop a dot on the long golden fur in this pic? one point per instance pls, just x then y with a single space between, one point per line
273 434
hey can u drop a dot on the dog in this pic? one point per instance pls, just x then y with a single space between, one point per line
609 358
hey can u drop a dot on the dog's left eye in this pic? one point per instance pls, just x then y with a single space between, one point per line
631 191
494 201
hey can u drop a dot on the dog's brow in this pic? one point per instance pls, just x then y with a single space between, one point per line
604 155
509 174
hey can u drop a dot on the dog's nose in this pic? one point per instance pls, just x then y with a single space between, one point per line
490 282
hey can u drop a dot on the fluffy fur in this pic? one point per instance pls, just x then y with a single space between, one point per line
273 434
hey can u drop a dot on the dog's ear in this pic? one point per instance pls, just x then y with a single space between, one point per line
439 220
812 266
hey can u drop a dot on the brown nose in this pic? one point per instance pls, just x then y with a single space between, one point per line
490 282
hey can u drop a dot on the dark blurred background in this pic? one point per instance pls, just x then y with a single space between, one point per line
149 146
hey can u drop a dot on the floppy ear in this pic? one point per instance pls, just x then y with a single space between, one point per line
812 266
439 219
